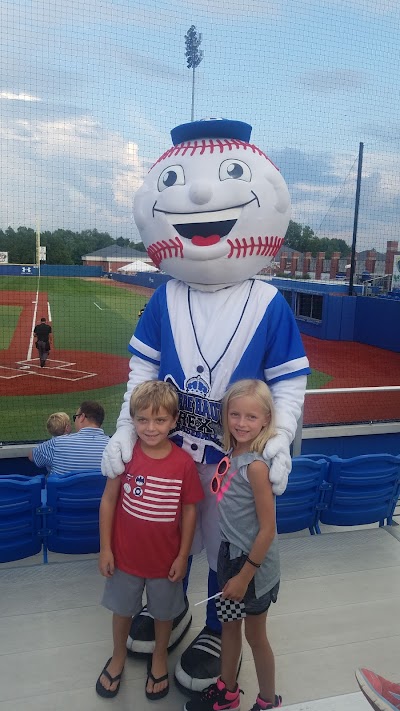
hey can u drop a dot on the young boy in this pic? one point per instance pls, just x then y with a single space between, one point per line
147 523
58 424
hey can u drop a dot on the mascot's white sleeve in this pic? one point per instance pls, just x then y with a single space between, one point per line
120 447
288 396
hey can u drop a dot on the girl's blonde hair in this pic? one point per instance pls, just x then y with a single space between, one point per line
154 394
258 390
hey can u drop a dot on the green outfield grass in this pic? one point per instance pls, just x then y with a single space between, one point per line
9 316
317 379
78 324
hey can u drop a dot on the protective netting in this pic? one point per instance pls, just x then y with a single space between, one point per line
89 93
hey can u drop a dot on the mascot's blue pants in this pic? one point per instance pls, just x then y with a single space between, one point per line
212 620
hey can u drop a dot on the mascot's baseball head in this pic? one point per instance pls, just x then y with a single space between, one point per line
213 210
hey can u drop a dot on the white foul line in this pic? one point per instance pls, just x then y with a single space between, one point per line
99 307
29 355
49 312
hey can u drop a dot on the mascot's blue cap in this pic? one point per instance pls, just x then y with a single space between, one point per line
211 128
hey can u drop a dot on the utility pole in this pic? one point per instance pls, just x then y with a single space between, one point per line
357 204
194 55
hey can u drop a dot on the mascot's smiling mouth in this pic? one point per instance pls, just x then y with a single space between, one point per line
205 228
205 233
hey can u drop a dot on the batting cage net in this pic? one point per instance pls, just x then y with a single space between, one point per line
89 94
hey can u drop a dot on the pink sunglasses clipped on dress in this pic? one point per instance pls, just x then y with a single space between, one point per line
221 470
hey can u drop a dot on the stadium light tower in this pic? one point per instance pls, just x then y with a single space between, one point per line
194 55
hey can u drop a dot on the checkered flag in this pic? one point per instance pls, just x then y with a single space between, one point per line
229 610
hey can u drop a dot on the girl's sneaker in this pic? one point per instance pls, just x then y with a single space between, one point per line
262 705
215 698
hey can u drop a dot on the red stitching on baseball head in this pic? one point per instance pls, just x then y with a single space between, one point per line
254 246
207 146
165 249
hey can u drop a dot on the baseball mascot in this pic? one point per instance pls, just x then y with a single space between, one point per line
212 212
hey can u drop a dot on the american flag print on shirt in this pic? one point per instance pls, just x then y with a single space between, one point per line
152 498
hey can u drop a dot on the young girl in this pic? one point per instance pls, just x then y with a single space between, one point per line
248 561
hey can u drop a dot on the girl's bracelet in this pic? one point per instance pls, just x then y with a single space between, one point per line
256 565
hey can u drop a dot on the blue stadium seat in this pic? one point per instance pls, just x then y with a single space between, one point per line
299 506
73 502
363 490
20 522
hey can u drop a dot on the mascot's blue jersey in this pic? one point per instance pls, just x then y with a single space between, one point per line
250 334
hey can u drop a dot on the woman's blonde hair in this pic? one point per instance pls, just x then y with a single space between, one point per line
58 423
258 390
154 394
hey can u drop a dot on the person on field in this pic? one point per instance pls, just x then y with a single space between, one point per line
42 331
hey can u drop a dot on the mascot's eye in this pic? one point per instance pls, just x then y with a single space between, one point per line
234 170
173 175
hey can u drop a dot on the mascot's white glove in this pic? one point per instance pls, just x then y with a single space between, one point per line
277 451
118 451
288 396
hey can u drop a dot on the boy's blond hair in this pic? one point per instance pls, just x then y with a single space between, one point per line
154 394
57 423
262 394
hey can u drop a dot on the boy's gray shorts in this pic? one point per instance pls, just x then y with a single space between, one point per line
123 595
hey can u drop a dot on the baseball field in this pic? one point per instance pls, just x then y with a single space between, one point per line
92 321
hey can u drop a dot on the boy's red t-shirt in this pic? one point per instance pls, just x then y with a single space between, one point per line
147 520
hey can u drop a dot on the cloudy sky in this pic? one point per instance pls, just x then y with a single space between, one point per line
89 91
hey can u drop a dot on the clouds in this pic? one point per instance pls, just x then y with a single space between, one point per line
328 80
323 190
90 90
8 95
72 172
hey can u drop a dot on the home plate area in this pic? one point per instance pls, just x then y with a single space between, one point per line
58 369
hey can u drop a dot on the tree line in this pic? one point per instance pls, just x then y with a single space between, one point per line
303 239
62 246
68 247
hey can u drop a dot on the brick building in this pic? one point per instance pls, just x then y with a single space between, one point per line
111 258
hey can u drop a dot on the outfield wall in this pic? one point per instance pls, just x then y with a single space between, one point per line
54 270
377 323
148 279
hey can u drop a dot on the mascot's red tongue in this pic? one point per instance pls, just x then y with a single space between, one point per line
205 241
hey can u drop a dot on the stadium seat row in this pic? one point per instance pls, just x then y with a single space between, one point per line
61 514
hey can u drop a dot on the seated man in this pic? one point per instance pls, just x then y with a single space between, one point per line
81 451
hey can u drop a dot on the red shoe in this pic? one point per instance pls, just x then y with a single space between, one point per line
382 694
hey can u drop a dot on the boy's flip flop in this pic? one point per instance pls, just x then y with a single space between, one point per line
108 693
155 695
